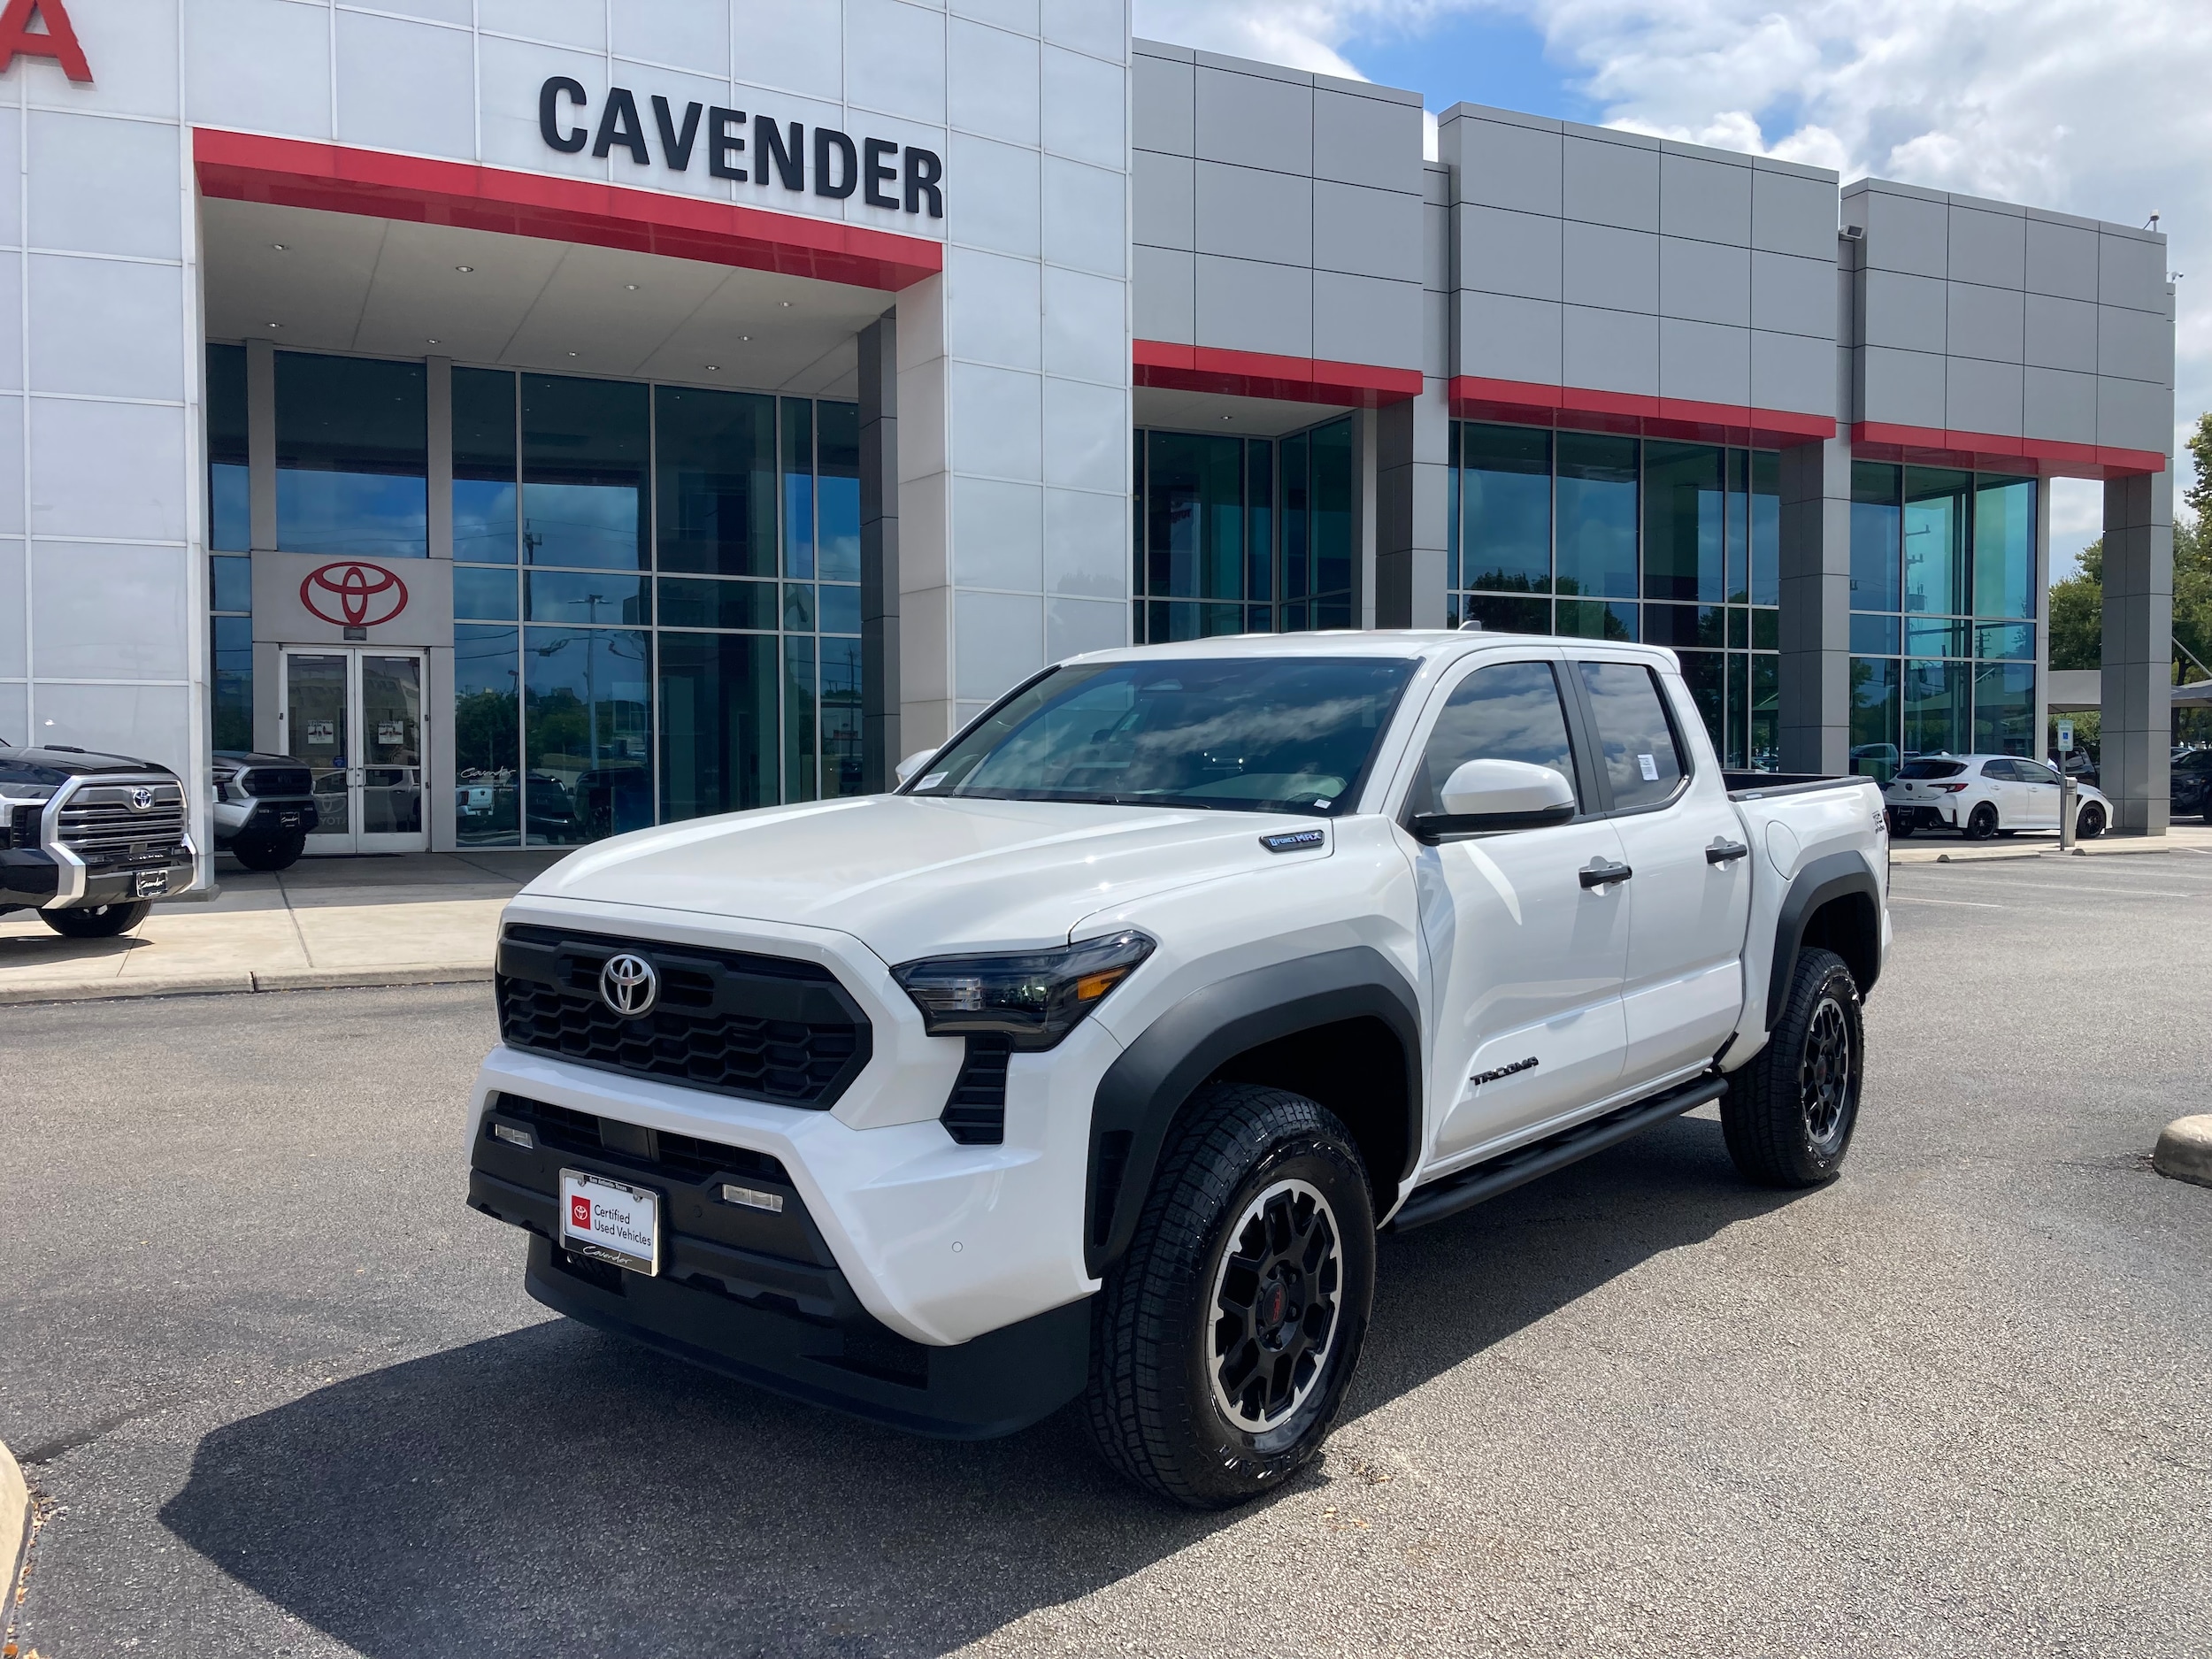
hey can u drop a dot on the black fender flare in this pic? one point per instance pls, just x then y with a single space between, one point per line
1838 875
1137 1099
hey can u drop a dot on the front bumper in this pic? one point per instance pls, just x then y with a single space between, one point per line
36 878
233 819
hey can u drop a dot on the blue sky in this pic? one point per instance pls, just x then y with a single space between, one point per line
1468 58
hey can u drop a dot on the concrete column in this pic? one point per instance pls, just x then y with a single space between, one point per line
1412 479
879 750
928 709
261 527
2139 632
1815 620
2043 738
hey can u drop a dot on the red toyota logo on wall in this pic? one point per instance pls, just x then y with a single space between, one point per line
353 594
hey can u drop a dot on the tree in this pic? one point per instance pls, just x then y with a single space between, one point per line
2077 602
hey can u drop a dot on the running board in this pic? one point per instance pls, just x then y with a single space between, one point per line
1540 1158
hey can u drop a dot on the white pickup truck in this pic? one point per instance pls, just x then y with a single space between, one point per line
1091 1060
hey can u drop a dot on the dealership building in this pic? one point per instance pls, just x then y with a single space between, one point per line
549 417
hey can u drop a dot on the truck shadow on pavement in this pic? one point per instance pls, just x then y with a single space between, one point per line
557 1490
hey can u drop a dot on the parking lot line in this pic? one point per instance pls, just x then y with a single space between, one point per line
1971 904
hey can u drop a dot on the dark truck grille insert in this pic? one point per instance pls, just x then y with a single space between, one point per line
764 1028
277 780
677 1157
975 1112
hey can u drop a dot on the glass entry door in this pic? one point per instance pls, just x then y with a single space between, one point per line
354 717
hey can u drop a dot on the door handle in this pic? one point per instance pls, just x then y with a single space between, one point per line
1722 852
1604 872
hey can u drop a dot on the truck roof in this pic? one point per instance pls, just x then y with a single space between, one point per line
1368 642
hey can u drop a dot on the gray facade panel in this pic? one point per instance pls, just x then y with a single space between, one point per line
1504 166
1610 184
1246 305
1366 141
1990 248
1981 397
2134 415
1704 362
1793 295
1705 281
1163 296
1254 122
1250 213
1609 351
2131 272
1603 265
1436 247
1793 215
2059 405
1910 312
1986 322
2061 260
1795 372
1906 233
1367 232
1707 200
2062 334
1902 387
1504 252
2134 345
1162 112
1164 204
1366 320
1505 338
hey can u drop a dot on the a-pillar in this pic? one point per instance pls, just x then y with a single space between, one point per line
2138 627
1815 685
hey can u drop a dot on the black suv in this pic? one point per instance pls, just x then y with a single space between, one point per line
2190 785
90 840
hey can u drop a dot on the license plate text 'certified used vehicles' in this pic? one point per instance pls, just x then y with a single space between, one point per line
611 1220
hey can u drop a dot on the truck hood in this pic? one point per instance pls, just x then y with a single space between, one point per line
913 877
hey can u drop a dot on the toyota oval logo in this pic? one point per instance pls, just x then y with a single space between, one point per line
142 800
353 594
628 985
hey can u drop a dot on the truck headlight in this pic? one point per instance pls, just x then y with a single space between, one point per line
1036 998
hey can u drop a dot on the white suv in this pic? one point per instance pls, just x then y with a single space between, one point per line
1983 795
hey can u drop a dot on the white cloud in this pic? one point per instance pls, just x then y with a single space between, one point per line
2095 107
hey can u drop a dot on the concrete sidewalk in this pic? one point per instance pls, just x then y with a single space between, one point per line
403 919
1944 847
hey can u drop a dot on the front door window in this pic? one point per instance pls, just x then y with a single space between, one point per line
355 718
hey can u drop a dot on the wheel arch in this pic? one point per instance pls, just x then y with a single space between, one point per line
1833 904
1341 1028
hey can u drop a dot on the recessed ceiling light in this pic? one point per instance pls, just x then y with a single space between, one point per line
433 342
785 303
280 247
465 269
631 286
276 325
714 368
1225 417
744 336
571 354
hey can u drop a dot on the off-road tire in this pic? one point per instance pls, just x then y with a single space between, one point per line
1981 823
1778 1133
1152 1402
279 851
96 921
2089 822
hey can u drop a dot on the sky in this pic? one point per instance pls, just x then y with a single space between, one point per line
2094 107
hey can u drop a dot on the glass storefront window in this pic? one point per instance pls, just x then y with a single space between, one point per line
231 692
698 603
1194 508
2004 708
837 491
1935 535
1766 527
1502 613
1876 517
352 456
1594 620
484 476
588 596
1874 692
798 488
799 718
1505 513
229 526
1683 522
1934 703
841 716
2004 547
1597 516
486 595
587 734
716 475
584 446
718 723
1331 532
488 733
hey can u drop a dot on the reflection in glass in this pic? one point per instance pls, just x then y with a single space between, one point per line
486 734
583 473
699 602
485 595
1331 533
1194 508
1936 539
798 719
1873 635
586 734
590 598
1874 717
841 716
1766 528
1876 516
1597 516
1765 742
798 607
718 713
230 584
1705 673
1501 614
1259 538
1296 455
229 527
352 456
798 487
391 745
2004 547
1683 522
840 607
837 490
2013 642
1738 584
1935 636
484 466
1935 708
231 692
1594 620
1505 512
2004 708
316 734
716 471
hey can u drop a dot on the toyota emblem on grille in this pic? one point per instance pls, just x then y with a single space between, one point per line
628 985
142 799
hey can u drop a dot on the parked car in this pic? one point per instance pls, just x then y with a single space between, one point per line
1091 1060
2190 783
1981 796
90 840
264 807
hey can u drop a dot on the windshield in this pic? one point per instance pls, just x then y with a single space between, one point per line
1923 769
1244 734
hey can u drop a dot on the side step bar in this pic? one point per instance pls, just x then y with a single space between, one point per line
1517 1168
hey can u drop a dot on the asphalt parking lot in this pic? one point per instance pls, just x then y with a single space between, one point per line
284 1394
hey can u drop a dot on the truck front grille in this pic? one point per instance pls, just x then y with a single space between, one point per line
765 1028
276 780
104 823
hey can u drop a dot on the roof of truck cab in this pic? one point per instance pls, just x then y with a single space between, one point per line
1367 642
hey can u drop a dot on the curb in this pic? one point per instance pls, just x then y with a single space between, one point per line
15 1533
246 984
2185 1149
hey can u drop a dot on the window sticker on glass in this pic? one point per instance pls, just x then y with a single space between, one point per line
931 782
1649 767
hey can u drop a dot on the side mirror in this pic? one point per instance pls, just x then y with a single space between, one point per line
913 764
1482 797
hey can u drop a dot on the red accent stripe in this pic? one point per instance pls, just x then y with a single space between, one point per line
1262 374
242 167
2046 457
1580 409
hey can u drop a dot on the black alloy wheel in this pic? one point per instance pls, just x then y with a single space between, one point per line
1981 824
96 921
280 850
2089 822
1790 1109
1827 1074
1275 1305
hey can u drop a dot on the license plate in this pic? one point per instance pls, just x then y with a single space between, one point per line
149 883
610 1221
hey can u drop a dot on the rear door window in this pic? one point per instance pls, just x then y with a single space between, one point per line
1642 759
